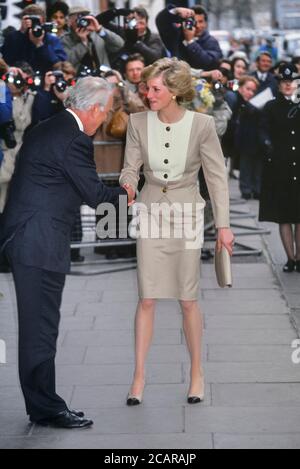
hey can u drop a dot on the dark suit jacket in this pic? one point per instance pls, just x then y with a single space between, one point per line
55 174
270 82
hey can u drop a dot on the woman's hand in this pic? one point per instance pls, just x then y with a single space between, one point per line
226 239
131 194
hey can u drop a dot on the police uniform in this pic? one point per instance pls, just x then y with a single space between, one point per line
280 132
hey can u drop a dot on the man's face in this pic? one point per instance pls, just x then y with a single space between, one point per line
264 64
142 25
201 25
134 71
96 116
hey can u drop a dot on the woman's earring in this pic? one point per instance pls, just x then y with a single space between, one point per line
174 98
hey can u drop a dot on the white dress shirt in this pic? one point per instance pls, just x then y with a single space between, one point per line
80 124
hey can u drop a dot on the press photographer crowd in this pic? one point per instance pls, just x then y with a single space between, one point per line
252 95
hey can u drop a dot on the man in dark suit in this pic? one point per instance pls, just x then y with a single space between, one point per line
55 174
265 78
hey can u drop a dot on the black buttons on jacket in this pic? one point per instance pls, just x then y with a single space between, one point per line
166 176
168 129
167 145
166 161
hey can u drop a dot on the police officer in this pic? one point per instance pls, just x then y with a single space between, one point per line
280 133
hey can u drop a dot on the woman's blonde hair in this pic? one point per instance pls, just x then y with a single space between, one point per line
177 77
245 79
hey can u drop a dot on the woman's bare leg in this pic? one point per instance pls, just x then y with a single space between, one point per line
144 325
193 330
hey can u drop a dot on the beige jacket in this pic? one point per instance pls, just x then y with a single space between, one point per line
204 150
22 107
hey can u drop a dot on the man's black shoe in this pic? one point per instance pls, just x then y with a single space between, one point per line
66 419
78 413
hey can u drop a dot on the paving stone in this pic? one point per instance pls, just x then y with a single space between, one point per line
238 441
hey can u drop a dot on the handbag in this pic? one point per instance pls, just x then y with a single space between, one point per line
117 127
223 268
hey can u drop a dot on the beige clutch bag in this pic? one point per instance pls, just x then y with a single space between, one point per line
223 268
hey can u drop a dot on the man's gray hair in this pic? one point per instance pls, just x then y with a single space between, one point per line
87 92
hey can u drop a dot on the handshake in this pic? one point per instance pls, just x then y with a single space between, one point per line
131 194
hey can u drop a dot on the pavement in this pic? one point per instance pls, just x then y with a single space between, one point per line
253 386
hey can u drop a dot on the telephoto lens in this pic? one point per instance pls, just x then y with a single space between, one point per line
37 28
11 79
60 84
83 22
189 24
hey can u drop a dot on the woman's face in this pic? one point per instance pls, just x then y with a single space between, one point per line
60 19
288 88
248 90
159 96
240 69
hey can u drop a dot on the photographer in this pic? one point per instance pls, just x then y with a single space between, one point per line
88 43
184 33
32 43
5 105
139 39
22 103
49 99
58 13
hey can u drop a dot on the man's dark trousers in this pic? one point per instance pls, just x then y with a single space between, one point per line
55 174
39 295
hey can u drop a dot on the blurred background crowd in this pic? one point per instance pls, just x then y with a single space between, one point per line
47 46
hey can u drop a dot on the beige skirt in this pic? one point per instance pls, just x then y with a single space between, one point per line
169 263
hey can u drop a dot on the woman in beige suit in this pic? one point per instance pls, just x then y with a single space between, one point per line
172 144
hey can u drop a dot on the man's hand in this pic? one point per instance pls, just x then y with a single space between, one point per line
94 25
215 75
131 194
25 24
37 41
49 81
189 35
83 35
226 239
185 13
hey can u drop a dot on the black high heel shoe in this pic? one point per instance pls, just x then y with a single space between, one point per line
133 401
298 266
289 266
196 398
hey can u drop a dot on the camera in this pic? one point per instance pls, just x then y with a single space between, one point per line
131 24
7 134
38 29
17 80
83 22
233 85
85 71
189 24
60 83
218 87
